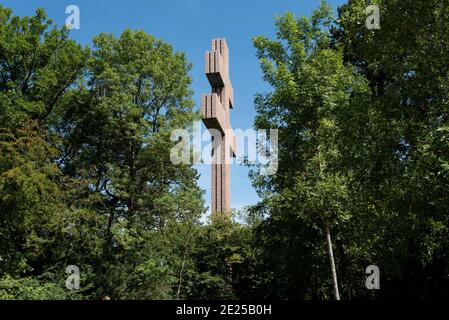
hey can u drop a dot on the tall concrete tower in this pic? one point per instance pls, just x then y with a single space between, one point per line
215 109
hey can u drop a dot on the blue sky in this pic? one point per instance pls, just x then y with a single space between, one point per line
189 26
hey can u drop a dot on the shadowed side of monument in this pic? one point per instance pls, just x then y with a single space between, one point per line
215 108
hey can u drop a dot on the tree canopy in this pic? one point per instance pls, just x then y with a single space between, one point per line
86 178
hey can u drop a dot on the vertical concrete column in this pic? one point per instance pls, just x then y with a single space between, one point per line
215 111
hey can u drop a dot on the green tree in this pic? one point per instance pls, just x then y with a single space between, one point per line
85 171
363 119
224 261
115 131
314 92
38 64
404 164
38 214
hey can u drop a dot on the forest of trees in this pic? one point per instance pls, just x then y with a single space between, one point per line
363 178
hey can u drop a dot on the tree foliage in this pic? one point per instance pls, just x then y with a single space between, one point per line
362 115
86 177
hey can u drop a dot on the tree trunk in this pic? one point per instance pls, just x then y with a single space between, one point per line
332 263
178 292
184 258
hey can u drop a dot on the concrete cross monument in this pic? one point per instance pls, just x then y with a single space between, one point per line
215 114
